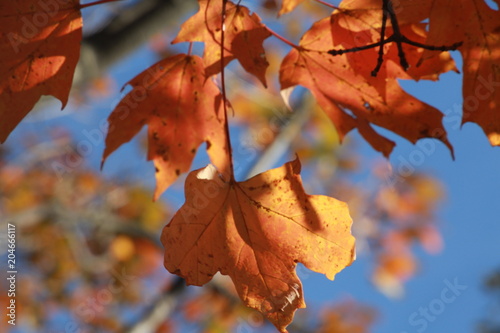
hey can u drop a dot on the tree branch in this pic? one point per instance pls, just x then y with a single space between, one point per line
397 37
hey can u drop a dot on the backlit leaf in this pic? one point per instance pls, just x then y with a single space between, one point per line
181 108
243 37
478 26
256 232
352 98
39 49
289 5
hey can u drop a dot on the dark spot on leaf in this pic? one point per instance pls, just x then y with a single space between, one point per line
424 132
177 172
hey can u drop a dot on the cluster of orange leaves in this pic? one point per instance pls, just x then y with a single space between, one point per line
256 231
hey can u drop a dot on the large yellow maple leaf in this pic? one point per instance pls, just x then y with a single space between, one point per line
256 232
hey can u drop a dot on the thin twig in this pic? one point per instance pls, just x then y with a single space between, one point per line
327 4
397 37
223 88
380 58
281 38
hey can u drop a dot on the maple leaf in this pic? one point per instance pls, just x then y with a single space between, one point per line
256 232
478 26
352 98
369 12
289 5
39 50
352 31
243 37
181 108
347 317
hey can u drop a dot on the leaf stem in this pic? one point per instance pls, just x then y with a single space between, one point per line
190 48
326 4
281 38
224 96
96 3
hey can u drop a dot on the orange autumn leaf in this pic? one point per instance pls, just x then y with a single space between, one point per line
477 25
39 49
256 232
289 5
394 269
350 31
347 317
243 37
181 109
122 248
473 23
370 11
351 97
401 265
